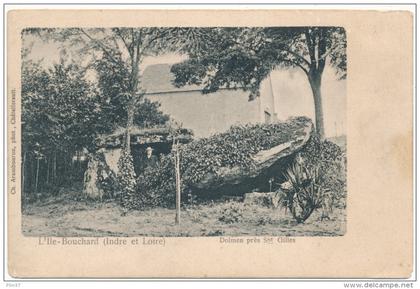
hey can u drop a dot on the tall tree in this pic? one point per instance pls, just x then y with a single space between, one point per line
111 80
58 106
116 50
58 117
65 108
116 54
242 58
123 50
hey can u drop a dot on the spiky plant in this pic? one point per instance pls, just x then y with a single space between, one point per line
304 193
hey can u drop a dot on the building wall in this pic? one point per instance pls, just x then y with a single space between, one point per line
207 114
267 104
284 94
293 94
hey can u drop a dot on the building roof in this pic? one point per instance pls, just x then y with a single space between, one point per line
158 78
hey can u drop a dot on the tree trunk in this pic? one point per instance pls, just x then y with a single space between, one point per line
131 106
130 121
178 187
48 170
315 82
54 172
23 172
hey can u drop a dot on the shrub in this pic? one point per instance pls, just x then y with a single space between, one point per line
156 186
304 194
231 213
329 159
317 172
107 181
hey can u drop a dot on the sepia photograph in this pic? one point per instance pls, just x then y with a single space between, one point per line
233 143
183 131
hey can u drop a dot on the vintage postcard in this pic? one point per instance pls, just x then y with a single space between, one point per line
210 143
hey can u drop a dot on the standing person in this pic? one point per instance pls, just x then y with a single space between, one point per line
150 161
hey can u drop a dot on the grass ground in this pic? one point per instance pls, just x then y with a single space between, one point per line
67 217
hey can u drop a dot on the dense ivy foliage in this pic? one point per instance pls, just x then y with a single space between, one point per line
126 178
236 146
229 149
156 186
329 159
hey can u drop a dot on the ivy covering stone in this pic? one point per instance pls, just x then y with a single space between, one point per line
233 148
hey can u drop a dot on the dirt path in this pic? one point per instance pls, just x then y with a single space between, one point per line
66 218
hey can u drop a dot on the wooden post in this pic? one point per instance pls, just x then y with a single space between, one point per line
37 175
178 187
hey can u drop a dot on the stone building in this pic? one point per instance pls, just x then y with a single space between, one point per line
206 114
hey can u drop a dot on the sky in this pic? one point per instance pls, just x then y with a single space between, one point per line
292 93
